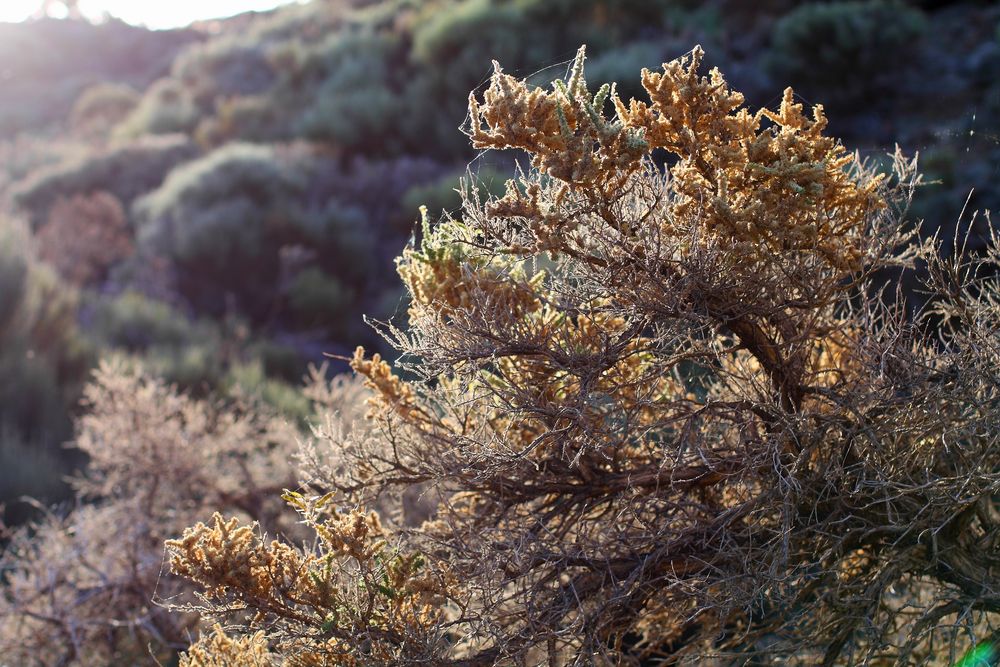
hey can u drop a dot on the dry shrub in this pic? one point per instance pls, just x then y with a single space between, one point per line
668 413
84 236
80 588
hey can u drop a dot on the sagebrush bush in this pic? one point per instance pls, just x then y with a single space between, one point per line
101 107
354 99
218 219
667 415
85 585
82 588
126 171
166 108
845 52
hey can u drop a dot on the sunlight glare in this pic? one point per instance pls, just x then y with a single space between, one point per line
151 14
17 10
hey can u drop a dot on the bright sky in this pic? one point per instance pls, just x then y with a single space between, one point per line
152 13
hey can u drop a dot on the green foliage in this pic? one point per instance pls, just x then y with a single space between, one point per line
102 106
167 107
13 273
239 228
619 65
32 400
355 104
39 312
281 361
251 381
230 65
196 366
444 195
216 208
184 351
27 469
842 52
253 118
126 171
319 300
43 362
344 236
445 37
134 322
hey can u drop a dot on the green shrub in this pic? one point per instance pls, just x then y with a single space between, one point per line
223 67
103 106
13 273
353 103
195 367
842 52
218 217
444 196
234 223
167 107
251 381
27 470
343 236
126 172
319 300
253 118
41 322
32 399
42 366
279 360
134 323
619 65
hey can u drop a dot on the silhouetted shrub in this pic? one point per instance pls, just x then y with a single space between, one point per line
840 53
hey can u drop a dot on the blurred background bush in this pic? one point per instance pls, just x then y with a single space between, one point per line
224 202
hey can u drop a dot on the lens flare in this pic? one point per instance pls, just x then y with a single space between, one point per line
984 655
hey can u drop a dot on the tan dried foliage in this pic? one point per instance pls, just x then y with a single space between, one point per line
83 589
664 413
84 236
349 600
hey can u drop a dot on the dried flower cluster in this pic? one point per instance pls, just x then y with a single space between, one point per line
350 596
